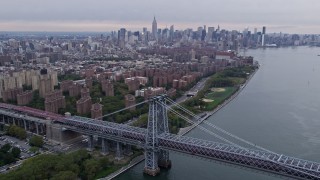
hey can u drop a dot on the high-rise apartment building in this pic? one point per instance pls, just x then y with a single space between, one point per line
107 87
130 100
24 98
84 105
54 101
96 111
45 83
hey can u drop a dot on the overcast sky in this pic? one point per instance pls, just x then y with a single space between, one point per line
292 16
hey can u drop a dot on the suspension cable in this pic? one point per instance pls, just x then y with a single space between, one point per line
212 133
216 127
201 127
248 150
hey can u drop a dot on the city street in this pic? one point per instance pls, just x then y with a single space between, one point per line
194 90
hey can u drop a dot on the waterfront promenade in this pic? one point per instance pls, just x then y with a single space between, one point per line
186 130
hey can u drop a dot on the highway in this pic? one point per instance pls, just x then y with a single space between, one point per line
199 86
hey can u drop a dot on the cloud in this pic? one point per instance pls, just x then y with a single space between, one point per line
292 13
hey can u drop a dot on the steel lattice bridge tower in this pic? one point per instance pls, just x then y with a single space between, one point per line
157 141
157 125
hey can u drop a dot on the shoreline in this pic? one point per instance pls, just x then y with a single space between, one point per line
186 130
131 164
183 131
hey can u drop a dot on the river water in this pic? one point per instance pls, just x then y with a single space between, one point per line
278 110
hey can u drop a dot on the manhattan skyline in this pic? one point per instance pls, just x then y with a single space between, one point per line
288 16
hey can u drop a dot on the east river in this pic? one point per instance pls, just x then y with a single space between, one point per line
279 109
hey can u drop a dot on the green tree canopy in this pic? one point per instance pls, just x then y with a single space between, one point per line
15 152
5 148
36 141
91 167
64 175
17 132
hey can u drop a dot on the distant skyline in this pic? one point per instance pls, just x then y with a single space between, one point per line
287 16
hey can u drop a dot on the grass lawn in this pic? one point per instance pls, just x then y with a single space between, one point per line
218 97
107 171
237 80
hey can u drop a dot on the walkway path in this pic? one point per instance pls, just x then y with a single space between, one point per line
132 163
186 130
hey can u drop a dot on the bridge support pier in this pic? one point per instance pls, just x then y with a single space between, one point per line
90 143
25 124
104 147
21 123
128 150
37 128
151 163
119 154
163 160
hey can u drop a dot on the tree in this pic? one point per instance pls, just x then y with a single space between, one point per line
91 167
8 158
34 149
64 175
36 141
49 166
104 162
79 156
5 148
15 152
20 133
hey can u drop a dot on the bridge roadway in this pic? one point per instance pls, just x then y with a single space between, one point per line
265 161
109 130
32 111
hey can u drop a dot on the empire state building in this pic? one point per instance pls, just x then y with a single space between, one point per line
154 28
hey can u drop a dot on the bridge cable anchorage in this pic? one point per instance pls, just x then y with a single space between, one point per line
123 109
223 139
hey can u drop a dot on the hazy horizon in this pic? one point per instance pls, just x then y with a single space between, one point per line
287 16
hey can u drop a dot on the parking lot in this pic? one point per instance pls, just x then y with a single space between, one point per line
23 145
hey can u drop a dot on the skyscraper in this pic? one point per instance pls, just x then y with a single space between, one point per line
210 34
263 35
171 32
122 37
154 28
144 30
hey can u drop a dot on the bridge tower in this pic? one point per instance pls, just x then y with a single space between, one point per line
157 124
